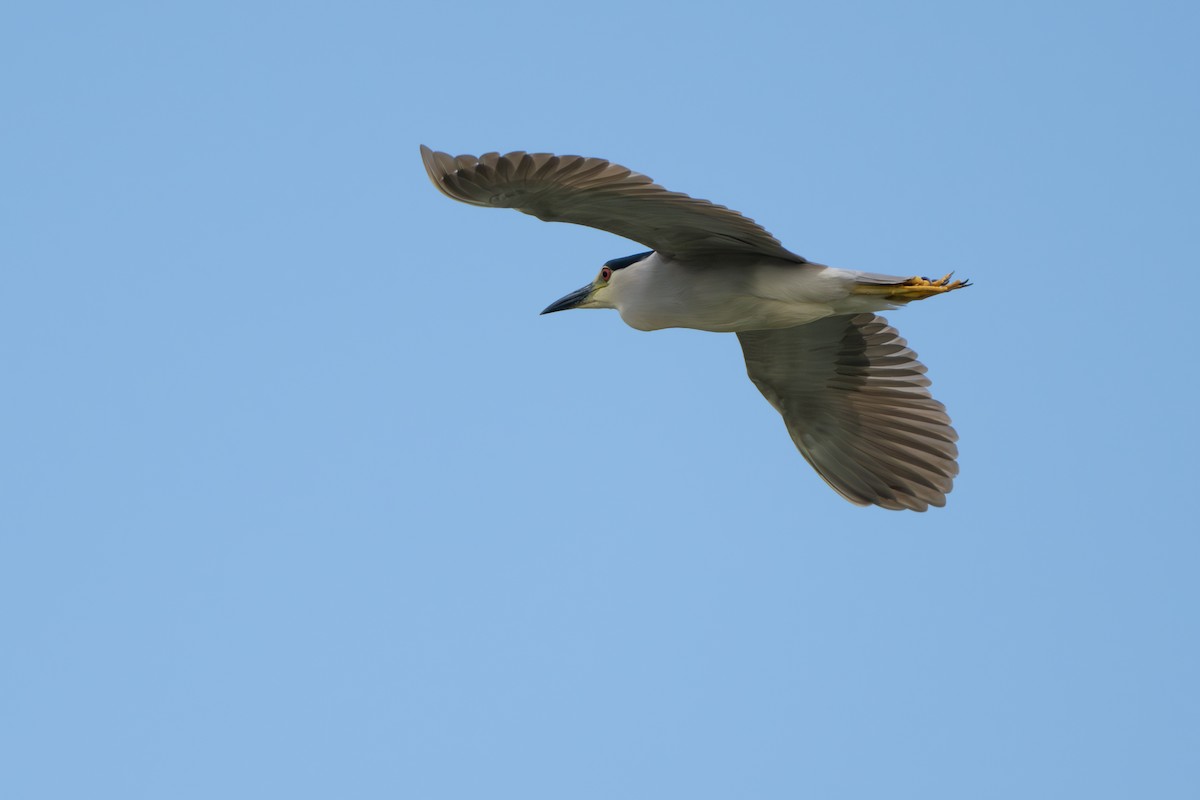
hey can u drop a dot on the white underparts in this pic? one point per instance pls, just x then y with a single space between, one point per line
756 295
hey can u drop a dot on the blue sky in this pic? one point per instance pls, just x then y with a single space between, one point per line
302 498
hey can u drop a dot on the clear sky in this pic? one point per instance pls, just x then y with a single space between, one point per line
300 497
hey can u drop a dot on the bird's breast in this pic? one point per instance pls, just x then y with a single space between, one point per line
726 299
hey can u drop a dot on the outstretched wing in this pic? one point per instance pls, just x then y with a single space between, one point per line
599 194
854 399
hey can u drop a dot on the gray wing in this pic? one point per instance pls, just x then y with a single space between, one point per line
854 399
599 194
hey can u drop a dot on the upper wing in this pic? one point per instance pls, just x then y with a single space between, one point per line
599 194
854 399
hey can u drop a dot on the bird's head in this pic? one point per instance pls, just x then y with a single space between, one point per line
600 293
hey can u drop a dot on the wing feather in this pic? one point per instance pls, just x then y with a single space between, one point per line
600 194
856 404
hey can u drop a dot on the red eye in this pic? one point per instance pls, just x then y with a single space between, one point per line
605 274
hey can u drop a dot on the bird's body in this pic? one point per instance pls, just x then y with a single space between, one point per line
854 398
736 293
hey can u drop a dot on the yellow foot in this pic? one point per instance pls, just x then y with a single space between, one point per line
911 289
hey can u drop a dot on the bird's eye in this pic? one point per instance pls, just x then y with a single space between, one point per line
605 274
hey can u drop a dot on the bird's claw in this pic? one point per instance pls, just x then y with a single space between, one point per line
915 288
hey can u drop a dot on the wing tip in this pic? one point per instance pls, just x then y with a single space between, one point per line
429 160
440 167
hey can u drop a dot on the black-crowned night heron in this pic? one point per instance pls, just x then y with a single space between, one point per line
852 394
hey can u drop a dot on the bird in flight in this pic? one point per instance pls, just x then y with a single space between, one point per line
853 396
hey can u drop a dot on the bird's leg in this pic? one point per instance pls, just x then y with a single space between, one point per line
914 288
